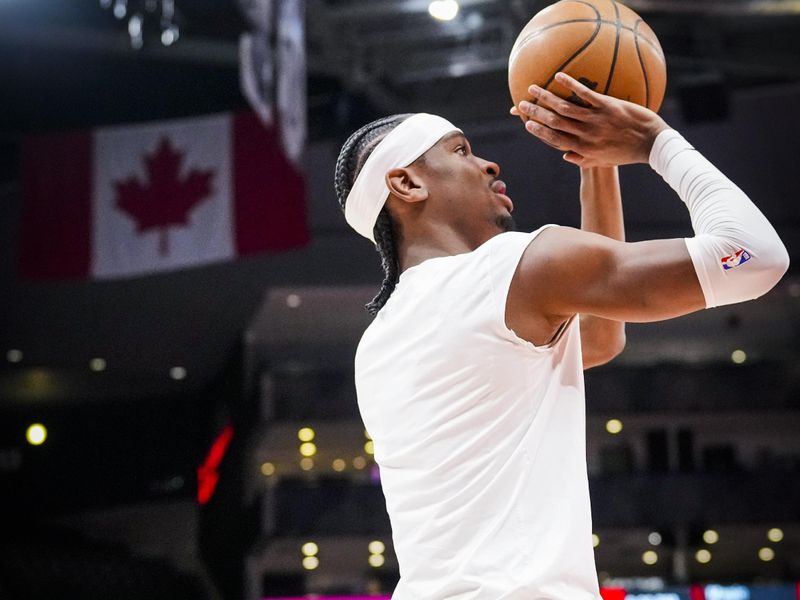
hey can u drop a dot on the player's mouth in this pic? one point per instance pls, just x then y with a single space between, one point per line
499 188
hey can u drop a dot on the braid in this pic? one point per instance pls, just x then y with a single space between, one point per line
354 153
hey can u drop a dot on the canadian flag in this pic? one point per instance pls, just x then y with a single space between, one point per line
137 199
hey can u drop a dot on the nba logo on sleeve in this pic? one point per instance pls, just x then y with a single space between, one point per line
739 257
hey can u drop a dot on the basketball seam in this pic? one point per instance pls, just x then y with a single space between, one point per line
530 36
579 50
641 63
616 48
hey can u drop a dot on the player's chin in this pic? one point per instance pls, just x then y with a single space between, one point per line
505 222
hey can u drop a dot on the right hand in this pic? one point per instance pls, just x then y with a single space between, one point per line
605 132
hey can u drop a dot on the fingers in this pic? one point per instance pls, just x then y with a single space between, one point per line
548 117
581 91
560 105
551 137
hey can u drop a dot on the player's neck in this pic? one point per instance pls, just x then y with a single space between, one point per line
415 249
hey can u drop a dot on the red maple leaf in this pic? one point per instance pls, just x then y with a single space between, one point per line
166 199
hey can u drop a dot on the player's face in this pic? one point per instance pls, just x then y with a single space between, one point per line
466 188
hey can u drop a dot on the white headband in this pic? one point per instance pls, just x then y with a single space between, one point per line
402 146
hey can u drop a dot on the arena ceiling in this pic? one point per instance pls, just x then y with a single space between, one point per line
70 64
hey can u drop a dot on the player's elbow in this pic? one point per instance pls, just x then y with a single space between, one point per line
615 345
605 350
774 265
781 264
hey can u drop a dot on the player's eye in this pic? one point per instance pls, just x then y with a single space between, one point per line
462 149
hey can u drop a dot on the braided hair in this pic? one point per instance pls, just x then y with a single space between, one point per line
351 159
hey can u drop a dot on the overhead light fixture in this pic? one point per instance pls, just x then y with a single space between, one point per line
738 356
654 538
775 534
177 373
650 557
142 12
703 556
309 549
613 426
14 355
36 434
97 364
766 554
376 560
443 10
293 300
710 536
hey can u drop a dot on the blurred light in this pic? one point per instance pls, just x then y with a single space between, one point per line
293 301
654 538
359 462
14 355
97 364
120 9
135 26
614 426
474 20
595 540
710 536
376 547
766 554
105 3
369 447
306 434
444 10
649 558
309 549
207 474
339 465
306 464
775 534
738 356
36 434
308 449
310 562
376 560
367 435
268 469
177 373
168 37
703 556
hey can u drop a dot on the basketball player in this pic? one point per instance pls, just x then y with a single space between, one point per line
470 378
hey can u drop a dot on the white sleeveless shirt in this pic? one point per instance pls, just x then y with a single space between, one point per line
479 435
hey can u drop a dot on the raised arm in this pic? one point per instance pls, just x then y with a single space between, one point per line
601 212
734 256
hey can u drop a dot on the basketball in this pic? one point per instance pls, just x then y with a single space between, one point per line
601 43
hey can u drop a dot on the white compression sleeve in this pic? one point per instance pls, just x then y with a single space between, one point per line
736 252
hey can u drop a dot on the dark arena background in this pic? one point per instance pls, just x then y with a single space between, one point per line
177 408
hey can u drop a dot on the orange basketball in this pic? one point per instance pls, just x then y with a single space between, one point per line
601 43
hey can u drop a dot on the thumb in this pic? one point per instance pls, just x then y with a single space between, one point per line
573 157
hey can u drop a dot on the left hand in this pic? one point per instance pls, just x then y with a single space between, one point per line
605 131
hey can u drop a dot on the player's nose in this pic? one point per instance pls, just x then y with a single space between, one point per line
490 168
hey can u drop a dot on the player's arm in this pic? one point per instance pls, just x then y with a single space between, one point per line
601 212
735 254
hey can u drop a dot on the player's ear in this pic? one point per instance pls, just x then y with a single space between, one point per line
406 186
